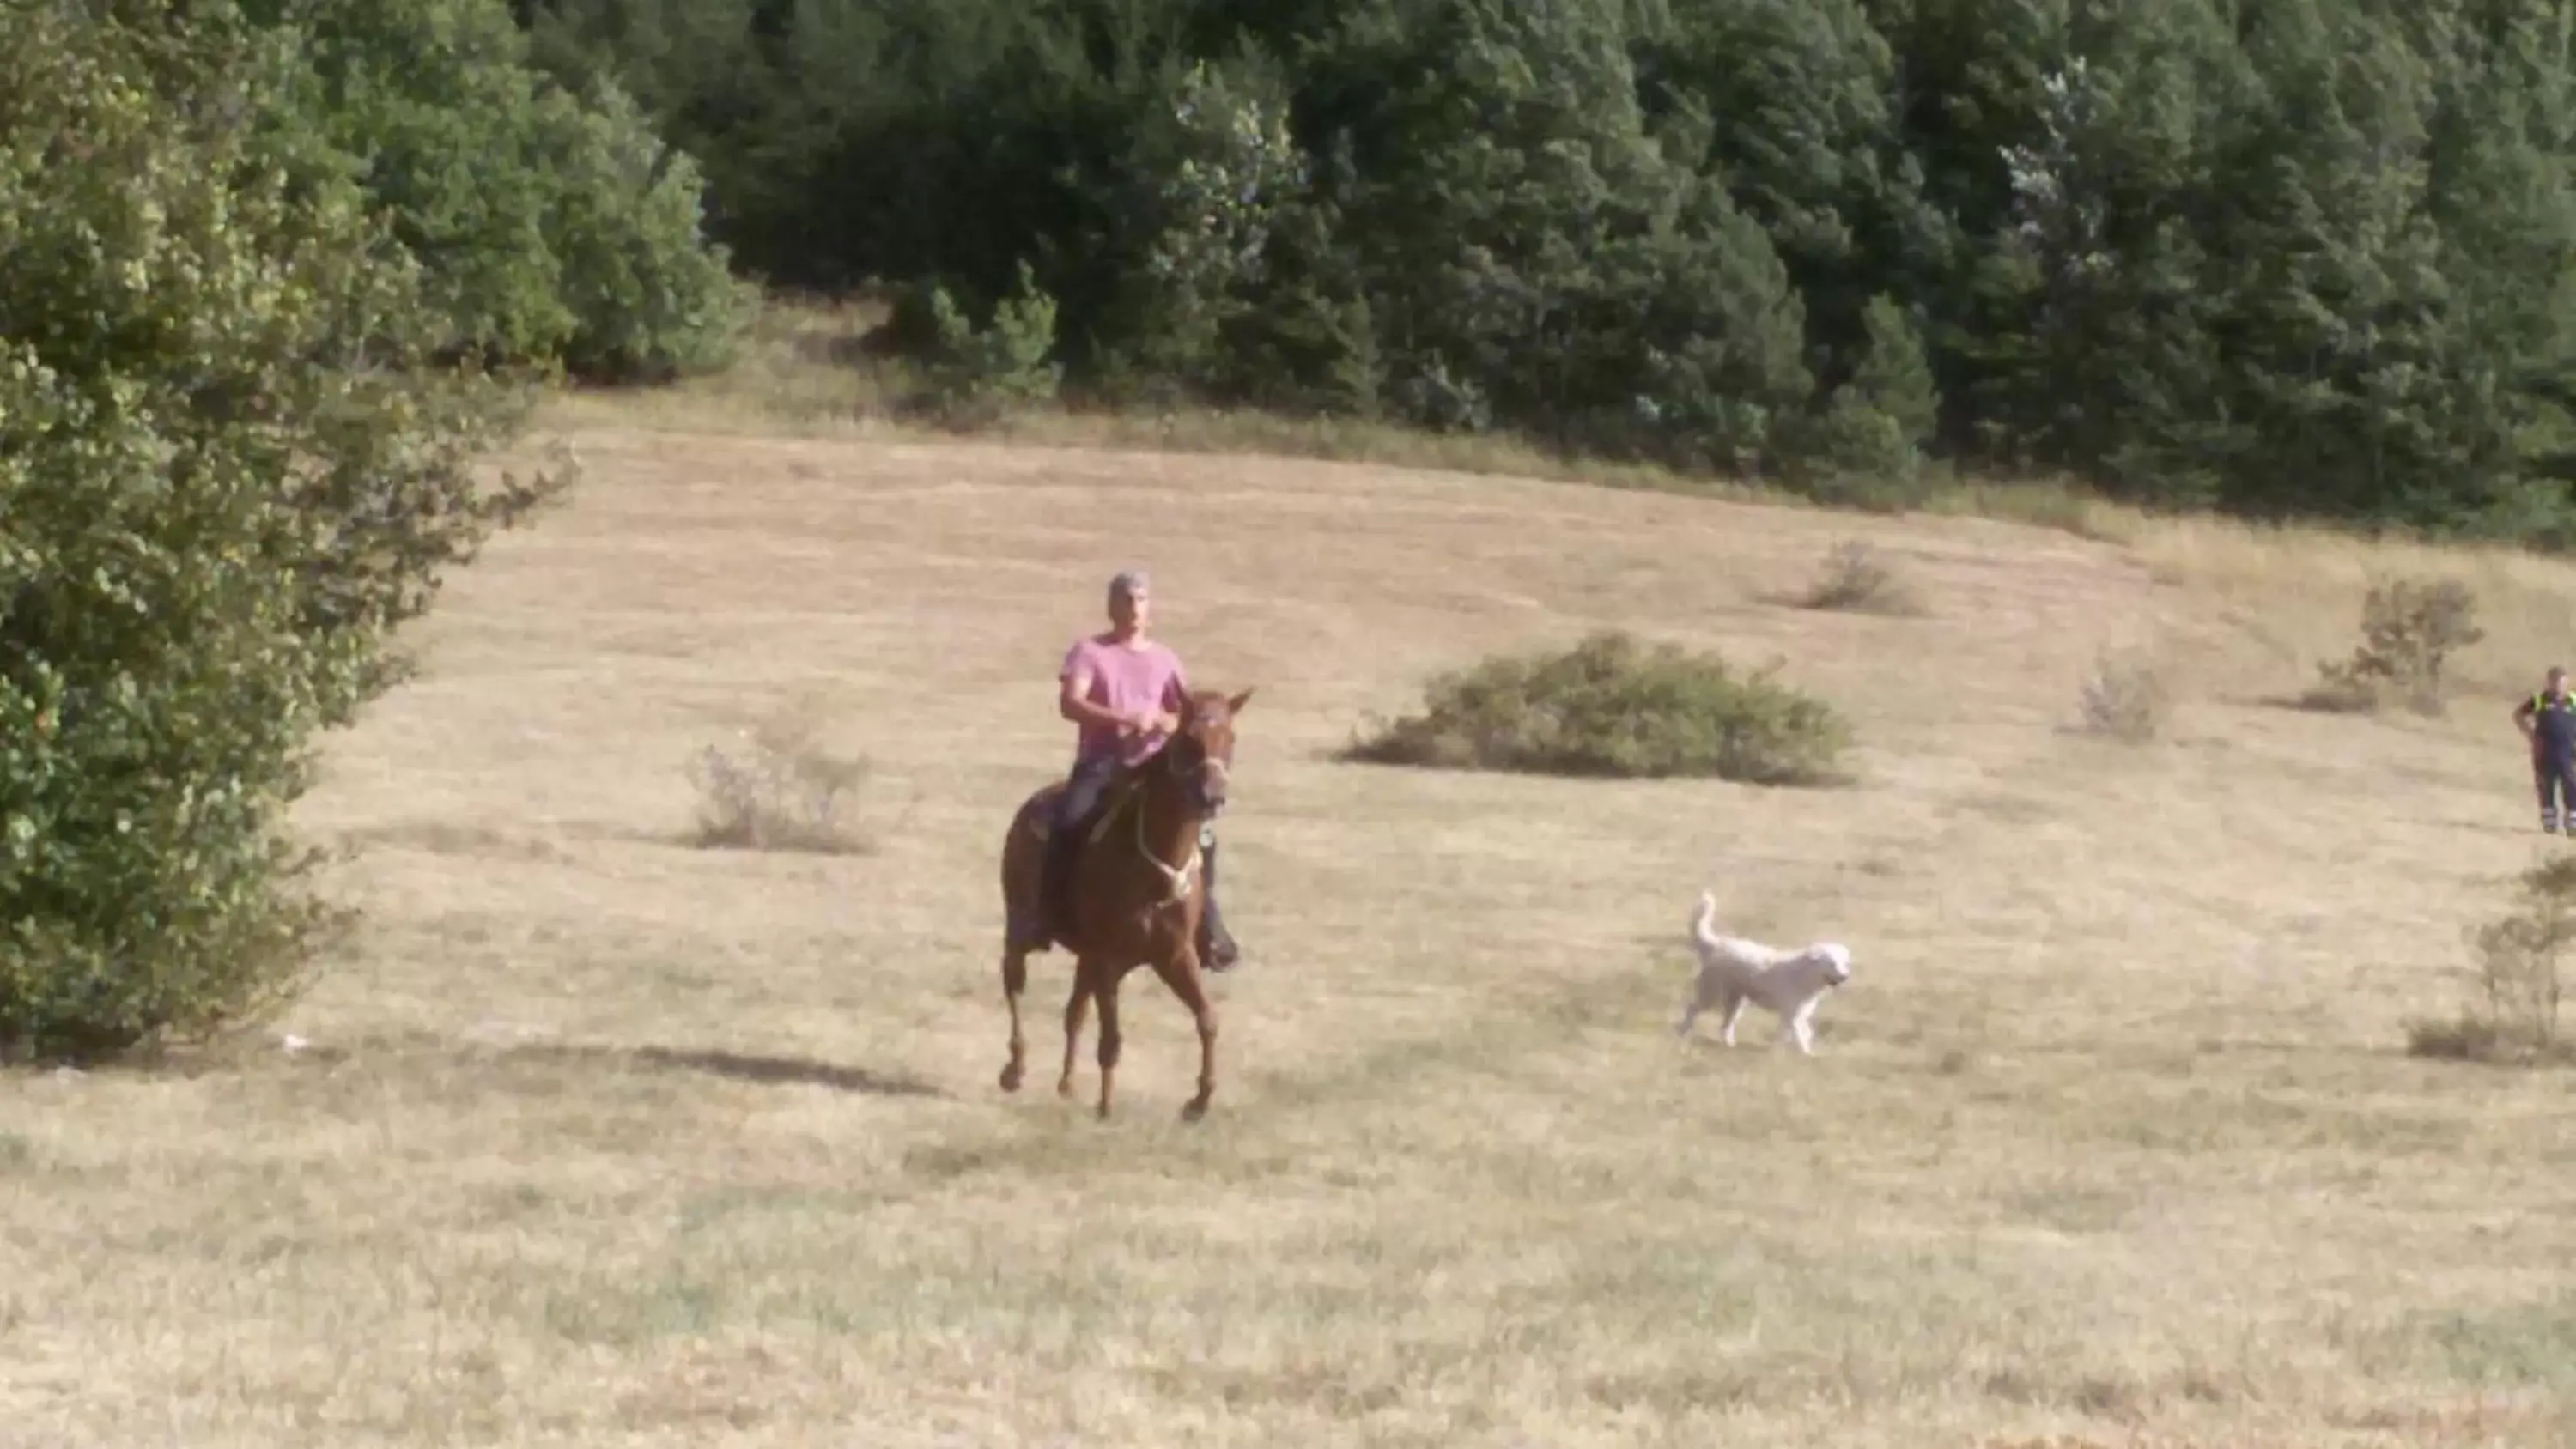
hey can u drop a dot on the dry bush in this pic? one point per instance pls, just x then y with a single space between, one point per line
2410 628
2513 1016
786 792
2125 697
1856 580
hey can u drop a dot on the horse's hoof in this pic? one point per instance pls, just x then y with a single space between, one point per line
1196 1109
1103 1112
1011 1077
1064 1089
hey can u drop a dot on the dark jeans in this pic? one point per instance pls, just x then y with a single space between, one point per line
1217 950
2554 777
1073 811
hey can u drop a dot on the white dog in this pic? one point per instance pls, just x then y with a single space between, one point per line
1733 971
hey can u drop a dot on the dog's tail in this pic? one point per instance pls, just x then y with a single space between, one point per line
1704 919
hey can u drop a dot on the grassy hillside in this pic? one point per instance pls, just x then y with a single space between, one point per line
607 1138
819 368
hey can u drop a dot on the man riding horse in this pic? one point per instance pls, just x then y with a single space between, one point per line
1125 692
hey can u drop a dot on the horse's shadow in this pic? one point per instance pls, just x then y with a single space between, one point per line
744 1067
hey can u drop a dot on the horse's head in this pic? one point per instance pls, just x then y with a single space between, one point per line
1201 751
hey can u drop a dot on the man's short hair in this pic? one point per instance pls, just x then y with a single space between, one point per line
1129 583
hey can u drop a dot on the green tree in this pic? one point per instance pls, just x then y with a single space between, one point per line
2500 188
1206 190
2345 358
1868 443
553 227
1804 137
228 473
1531 254
2091 304
647 296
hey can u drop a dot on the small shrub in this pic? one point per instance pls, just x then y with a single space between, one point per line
2125 698
1856 581
977 374
1612 706
785 793
2409 630
2513 1016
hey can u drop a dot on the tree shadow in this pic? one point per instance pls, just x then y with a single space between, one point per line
745 1067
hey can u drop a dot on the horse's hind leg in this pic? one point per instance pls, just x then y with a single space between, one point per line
1076 1007
1015 979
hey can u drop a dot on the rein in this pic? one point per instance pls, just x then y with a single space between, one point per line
1176 879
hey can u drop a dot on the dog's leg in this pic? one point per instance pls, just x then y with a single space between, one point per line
1734 1004
1800 1030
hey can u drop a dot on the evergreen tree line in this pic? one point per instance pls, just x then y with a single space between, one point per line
2287 257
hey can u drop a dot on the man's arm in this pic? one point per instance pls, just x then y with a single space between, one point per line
2522 718
1071 703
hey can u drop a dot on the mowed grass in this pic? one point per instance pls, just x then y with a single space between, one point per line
604 1138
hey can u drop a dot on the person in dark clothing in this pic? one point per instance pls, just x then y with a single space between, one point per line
2548 721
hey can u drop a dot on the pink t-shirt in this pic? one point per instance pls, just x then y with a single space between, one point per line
1124 679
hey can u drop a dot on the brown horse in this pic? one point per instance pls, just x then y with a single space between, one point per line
1134 897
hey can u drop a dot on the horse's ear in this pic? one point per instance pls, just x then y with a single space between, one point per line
1235 705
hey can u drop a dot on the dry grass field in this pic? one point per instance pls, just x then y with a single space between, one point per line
607 1139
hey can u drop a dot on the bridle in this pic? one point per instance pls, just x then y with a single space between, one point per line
1187 754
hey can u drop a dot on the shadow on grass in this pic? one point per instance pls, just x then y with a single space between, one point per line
743 1067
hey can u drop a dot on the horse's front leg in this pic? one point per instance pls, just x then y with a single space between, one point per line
1077 1007
1179 969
